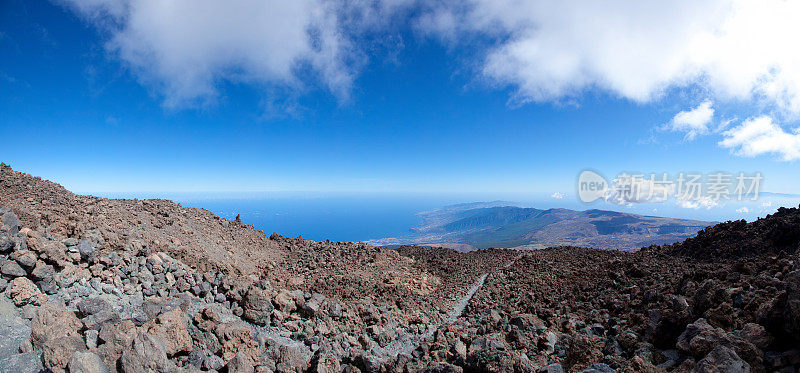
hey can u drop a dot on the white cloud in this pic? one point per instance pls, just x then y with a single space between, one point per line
628 189
557 195
725 124
705 202
743 210
733 50
185 48
692 122
552 50
760 135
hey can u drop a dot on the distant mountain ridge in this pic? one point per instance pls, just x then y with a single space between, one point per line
506 225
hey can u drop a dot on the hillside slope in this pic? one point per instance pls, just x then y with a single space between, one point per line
208 243
496 225
90 285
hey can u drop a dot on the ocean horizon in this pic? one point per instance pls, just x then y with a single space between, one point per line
354 217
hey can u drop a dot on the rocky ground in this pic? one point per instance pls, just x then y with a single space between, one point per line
95 285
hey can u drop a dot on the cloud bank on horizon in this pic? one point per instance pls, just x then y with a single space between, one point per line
719 51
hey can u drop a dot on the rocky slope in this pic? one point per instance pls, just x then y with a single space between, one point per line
94 285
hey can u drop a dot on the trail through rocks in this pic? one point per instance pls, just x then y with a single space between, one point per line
459 307
409 343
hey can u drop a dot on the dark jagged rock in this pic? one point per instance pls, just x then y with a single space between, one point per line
778 232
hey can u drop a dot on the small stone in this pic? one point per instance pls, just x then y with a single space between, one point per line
548 340
285 301
196 358
325 362
54 251
91 336
313 305
368 363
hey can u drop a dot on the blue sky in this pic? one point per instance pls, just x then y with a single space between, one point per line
407 97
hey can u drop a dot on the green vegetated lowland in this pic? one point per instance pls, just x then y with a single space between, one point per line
496 224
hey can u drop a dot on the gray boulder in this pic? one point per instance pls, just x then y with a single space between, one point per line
240 364
27 260
722 360
43 272
14 330
93 306
213 362
12 269
599 368
86 250
86 362
6 242
368 363
552 368
8 218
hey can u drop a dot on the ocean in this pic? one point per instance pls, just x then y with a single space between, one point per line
360 217
338 218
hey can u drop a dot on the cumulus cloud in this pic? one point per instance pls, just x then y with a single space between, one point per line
185 48
546 51
743 210
705 202
692 122
761 135
737 49
628 189
557 195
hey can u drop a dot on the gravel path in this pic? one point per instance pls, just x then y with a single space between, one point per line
459 307
408 343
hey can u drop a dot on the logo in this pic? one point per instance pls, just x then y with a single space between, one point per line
592 186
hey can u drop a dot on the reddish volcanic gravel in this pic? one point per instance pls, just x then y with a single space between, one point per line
148 285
